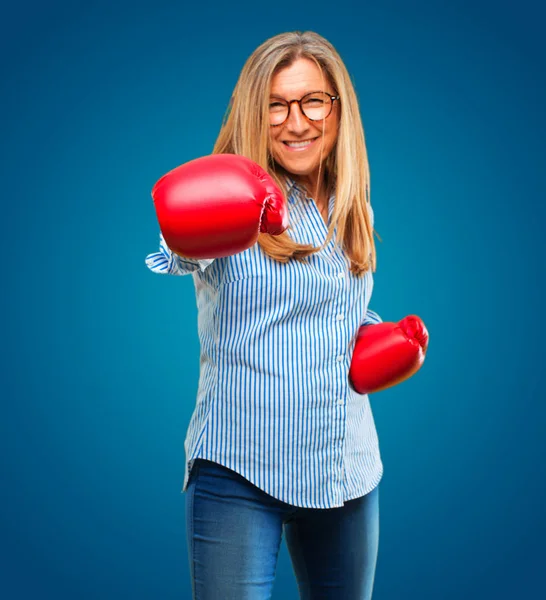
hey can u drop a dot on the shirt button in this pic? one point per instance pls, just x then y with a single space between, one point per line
339 317
340 358
340 401
340 275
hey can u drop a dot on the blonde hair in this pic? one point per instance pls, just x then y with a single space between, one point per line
246 130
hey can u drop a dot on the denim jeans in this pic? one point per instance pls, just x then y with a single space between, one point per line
234 532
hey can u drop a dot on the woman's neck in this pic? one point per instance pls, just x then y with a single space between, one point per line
309 182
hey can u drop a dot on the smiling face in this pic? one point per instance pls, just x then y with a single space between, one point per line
302 160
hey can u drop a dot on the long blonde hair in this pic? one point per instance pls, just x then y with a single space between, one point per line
246 130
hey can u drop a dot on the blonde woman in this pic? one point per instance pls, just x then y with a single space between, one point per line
280 441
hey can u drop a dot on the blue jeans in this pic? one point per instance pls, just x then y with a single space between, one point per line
234 533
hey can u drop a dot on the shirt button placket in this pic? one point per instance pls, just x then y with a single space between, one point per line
340 317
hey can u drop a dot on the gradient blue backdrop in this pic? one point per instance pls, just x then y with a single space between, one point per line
100 357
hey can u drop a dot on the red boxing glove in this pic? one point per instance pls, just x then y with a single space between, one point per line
386 354
217 205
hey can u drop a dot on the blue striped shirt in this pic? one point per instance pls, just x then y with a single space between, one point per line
274 401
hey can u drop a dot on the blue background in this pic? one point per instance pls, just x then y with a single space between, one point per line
100 357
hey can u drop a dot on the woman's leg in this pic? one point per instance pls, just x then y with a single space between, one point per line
334 551
234 533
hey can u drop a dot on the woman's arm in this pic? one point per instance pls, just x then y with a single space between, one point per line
167 262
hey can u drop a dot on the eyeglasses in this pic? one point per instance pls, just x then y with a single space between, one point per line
314 105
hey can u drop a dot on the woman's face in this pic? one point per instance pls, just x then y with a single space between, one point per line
292 83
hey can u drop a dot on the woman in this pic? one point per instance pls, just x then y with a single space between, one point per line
280 441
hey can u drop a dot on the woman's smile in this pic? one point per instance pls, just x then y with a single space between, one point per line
295 146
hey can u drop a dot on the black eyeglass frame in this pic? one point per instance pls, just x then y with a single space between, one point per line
290 102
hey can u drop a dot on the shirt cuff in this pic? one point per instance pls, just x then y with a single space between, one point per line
372 318
168 262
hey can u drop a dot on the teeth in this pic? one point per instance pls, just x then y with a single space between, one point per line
298 144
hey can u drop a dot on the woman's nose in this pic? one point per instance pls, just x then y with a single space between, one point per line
296 120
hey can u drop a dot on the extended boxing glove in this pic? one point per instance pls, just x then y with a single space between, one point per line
217 205
386 354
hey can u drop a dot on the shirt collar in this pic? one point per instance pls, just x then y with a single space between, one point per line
293 189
